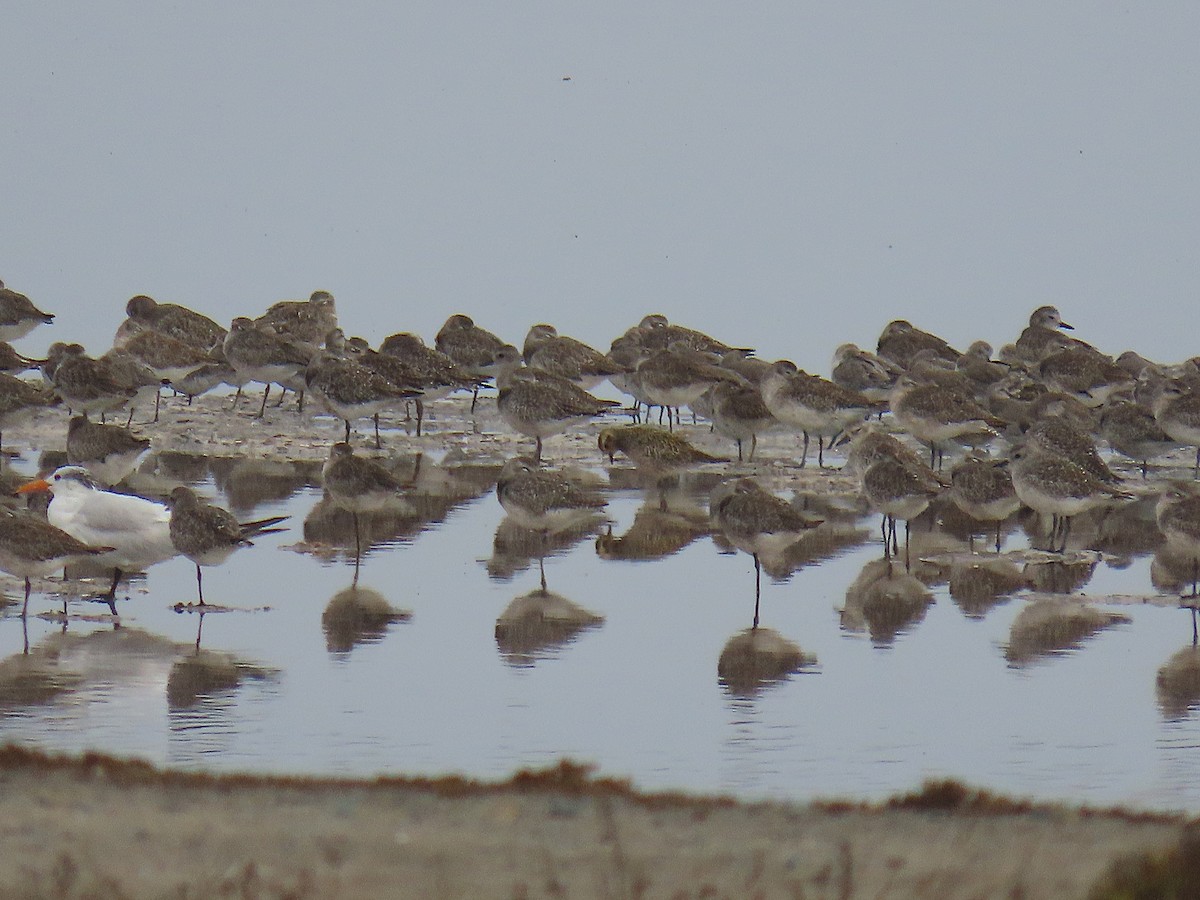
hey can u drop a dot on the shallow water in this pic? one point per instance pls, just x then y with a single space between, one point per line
927 678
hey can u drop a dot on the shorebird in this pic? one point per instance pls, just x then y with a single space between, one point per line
1059 438
1177 411
812 404
544 501
350 390
109 452
469 346
1055 486
1083 373
303 322
1178 518
13 362
265 357
545 350
175 321
19 399
757 522
133 374
866 373
898 490
18 316
936 416
136 529
85 384
358 485
435 373
660 333
32 547
739 412
900 342
655 452
1133 431
679 375
1043 336
983 489
543 406
207 534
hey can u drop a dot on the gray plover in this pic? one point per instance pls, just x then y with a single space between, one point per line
435 373
350 390
469 346
302 321
1133 431
900 342
759 523
1177 411
543 500
137 529
983 489
207 534
265 357
18 315
175 321
19 399
979 367
30 547
358 485
679 375
898 490
1085 374
1043 336
857 370
657 330
653 450
1059 438
1054 486
543 406
545 350
812 405
13 362
739 413
869 443
938 416
108 452
85 384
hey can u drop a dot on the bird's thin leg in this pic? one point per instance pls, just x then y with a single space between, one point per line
739 443
420 415
378 443
199 584
907 562
997 535
753 446
282 396
542 570
25 608
262 410
537 456
347 438
820 451
757 587
804 453
199 629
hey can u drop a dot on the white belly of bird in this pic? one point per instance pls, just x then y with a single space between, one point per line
138 530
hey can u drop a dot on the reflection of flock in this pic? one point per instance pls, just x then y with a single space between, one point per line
1044 405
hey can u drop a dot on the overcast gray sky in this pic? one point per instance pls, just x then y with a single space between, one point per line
785 175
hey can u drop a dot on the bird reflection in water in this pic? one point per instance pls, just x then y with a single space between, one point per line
538 624
358 615
251 483
1177 684
885 602
1049 626
655 533
200 674
978 584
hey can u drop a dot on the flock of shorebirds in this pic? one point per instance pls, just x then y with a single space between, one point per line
1025 424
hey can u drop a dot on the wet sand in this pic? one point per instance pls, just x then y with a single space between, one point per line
100 827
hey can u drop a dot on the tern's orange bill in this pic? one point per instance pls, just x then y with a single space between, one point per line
30 487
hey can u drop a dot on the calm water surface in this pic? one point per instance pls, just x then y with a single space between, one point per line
913 677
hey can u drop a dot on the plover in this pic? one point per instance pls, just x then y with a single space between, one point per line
434 372
900 342
18 316
812 405
545 350
207 534
13 362
1084 374
983 489
758 522
350 390
739 413
1059 438
541 407
1054 486
265 357
30 547
1177 412
137 529
1043 336
898 490
543 500
85 384
358 485
469 346
657 330
19 399
679 375
109 452
301 321
866 373
938 416
175 321
1133 431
